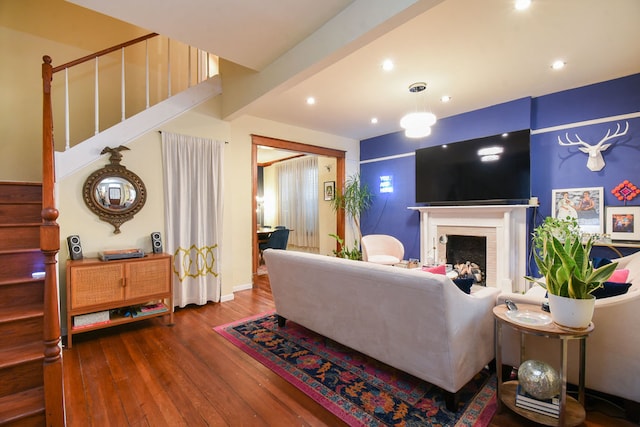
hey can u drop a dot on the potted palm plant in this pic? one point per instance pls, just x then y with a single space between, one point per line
355 198
561 252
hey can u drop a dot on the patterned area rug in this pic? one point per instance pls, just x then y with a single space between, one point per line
356 388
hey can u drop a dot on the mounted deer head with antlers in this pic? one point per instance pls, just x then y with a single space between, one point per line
595 161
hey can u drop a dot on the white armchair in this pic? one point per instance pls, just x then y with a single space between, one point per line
612 364
382 249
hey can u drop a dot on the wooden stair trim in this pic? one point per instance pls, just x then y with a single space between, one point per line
20 251
21 224
17 355
19 280
20 183
15 407
14 314
17 202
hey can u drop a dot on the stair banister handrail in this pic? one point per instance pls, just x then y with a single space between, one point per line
50 245
95 57
201 75
102 52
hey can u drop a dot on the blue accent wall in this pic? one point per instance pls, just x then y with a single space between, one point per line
552 166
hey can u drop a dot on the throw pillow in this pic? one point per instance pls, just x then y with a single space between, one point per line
599 262
611 289
464 284
620 275
440 269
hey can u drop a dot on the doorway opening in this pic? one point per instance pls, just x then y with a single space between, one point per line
257 141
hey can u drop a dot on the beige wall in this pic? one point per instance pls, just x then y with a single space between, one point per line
326 214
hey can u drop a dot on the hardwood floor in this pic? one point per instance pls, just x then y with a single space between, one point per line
149 374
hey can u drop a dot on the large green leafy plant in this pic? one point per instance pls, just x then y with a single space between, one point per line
561 252
354 199
344 251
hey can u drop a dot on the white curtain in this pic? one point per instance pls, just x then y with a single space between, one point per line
298 200
193 171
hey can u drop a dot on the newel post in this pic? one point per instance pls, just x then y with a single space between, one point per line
50 245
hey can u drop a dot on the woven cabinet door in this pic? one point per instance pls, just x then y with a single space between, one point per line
96 284
148 279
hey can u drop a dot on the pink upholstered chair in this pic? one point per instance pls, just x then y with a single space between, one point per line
382 249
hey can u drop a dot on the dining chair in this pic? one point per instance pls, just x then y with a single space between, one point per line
277 240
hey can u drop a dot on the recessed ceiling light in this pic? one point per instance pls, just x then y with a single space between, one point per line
311 100
374 120
445 98
522 4
558 65
387 65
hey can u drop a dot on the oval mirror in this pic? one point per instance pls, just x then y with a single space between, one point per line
113 192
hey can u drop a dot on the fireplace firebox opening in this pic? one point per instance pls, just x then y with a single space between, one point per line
468 256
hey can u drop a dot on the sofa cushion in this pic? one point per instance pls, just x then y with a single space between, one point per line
599 262
464 284
619 276
384 259
440 269
611 289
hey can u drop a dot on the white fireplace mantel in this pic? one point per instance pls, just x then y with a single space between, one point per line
507 221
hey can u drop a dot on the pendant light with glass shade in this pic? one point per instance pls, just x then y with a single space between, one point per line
418 124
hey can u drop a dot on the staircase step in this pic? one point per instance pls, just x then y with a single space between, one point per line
21 325
20 263
21 292
12 356
23 409
19 236
21 376
20 213
20 192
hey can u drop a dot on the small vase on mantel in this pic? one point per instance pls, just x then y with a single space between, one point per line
571 312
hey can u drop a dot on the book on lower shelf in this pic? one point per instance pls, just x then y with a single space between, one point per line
90 319
549 407
145 310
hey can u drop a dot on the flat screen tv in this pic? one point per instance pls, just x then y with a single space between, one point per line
490 170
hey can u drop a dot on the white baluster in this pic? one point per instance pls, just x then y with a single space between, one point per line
168 68
97 100
147 71
67 139
122 90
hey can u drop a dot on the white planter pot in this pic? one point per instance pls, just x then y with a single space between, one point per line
570 312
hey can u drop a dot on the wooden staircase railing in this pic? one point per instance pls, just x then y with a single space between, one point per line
50 245
181 73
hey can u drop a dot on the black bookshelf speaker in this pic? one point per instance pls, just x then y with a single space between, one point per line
156 242
75 248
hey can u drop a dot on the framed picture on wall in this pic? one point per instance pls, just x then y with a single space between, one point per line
623 222
586 205
329 190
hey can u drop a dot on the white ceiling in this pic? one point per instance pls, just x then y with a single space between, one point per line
480 52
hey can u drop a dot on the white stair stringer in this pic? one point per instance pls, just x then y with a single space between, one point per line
124 132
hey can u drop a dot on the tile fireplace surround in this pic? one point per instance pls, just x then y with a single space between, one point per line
503 226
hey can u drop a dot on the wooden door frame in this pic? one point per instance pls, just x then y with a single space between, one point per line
266 141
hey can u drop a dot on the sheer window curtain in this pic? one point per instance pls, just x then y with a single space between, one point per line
298 200
193 173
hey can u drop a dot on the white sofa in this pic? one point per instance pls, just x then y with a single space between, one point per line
416 321
613 349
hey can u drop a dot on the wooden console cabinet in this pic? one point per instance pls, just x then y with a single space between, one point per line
101 287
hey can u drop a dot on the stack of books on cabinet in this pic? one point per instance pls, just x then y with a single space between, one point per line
549 407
